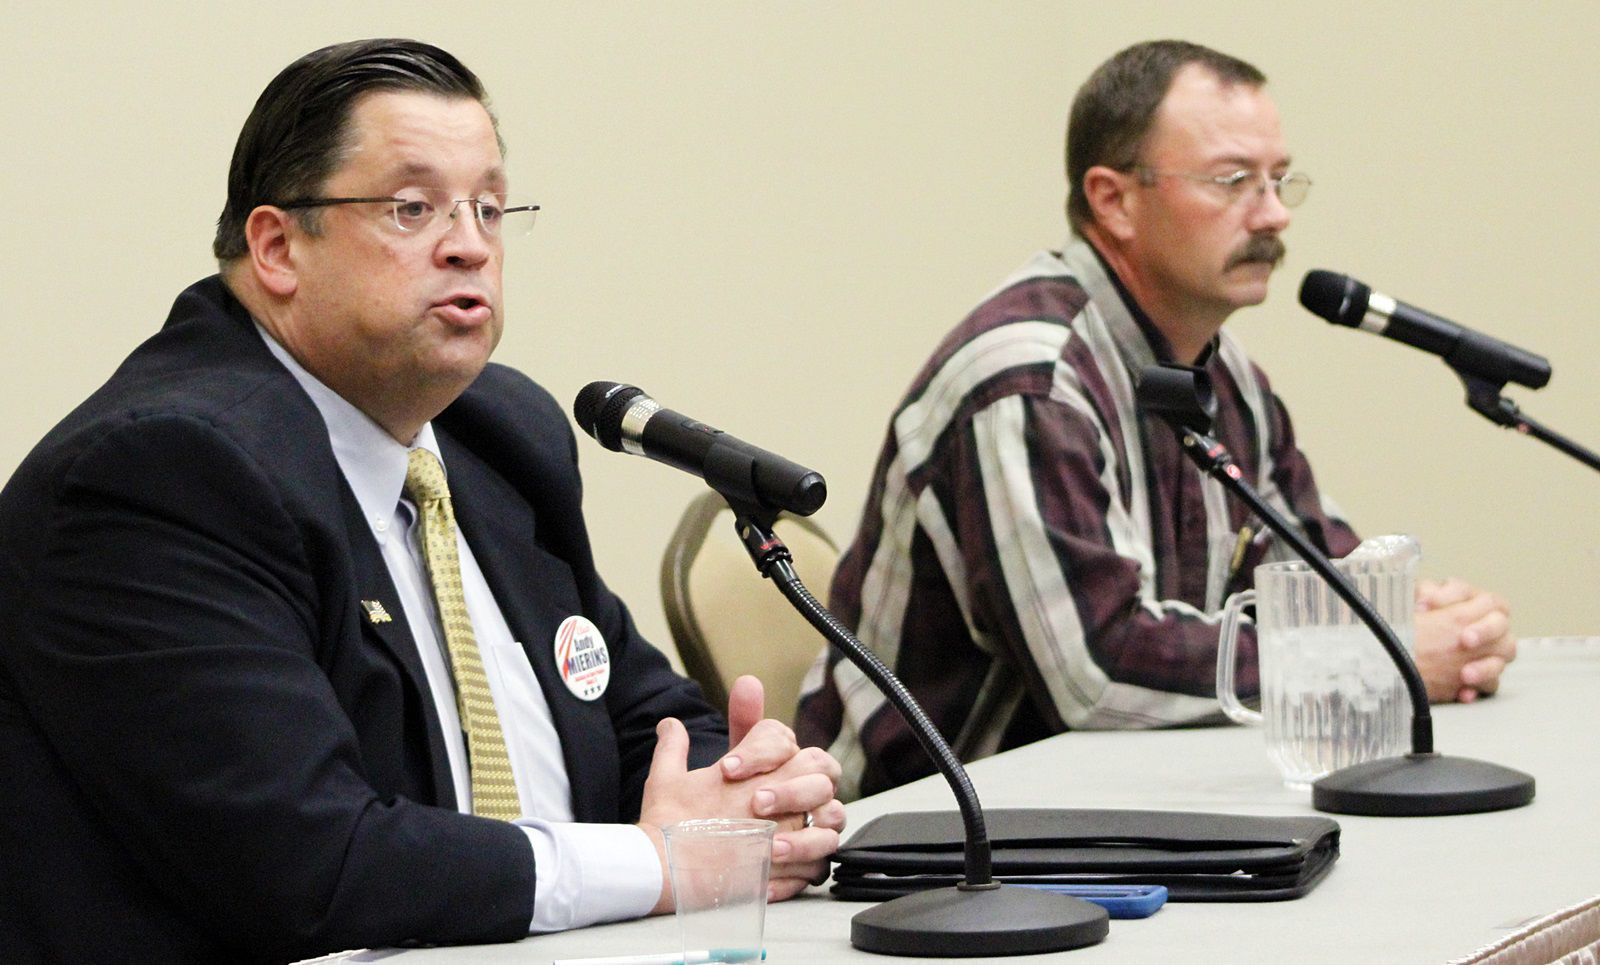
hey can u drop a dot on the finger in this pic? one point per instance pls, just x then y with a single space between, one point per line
1464 612
807 872
804 846
798 795
1490 633
1483 675
746 707
830 815
1507 648
810 760
782 889
1433 594
767 746
1466 695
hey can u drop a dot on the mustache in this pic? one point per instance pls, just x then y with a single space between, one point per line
1267 248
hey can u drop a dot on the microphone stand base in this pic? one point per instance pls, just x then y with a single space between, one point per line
972 923
1422 785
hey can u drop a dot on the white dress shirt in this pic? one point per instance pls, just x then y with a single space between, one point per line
587 873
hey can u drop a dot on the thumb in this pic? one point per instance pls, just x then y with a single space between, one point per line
746 707
671 757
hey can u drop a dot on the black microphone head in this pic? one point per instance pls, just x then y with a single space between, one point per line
1180 394
1338 298
598 410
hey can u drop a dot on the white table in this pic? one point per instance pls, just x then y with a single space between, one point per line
1403 890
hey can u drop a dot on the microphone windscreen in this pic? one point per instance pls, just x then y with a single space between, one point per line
1338 298
598 411
1180 394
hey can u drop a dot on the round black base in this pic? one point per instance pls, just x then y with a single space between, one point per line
1419 785
960 923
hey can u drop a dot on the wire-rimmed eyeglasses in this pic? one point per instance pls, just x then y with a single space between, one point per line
1290 188
419 213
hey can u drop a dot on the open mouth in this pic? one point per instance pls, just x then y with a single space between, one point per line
465 302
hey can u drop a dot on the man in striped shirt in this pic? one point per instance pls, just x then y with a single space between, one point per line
1036 555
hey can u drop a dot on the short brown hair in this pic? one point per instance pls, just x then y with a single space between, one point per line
1115 107
299 129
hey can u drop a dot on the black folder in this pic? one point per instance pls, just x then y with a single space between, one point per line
1197 856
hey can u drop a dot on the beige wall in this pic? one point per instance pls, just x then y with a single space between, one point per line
767 214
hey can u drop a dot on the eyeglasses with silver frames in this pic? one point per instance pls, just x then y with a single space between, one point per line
1290 188
419 213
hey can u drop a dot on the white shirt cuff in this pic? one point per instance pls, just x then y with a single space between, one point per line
590 873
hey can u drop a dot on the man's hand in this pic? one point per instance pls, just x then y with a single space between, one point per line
1464 640
765 774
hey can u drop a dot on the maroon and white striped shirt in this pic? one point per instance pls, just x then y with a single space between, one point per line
1035 554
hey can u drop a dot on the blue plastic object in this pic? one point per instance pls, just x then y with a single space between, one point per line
1119 901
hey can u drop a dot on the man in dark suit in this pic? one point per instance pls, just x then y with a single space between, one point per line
265 693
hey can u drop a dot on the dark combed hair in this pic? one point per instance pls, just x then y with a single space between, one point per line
298 132
1115 107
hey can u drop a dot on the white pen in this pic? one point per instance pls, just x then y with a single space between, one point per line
701 956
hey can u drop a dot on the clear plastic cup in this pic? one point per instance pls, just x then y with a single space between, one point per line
719 870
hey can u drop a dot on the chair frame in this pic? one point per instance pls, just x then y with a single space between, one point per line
682 548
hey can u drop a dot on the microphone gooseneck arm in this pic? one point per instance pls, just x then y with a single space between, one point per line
1214 459
773 560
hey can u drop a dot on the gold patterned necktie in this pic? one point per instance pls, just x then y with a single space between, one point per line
494 789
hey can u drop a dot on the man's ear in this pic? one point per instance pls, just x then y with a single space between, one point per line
1110 198
267 232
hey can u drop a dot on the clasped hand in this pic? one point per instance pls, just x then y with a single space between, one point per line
765 774
1464 640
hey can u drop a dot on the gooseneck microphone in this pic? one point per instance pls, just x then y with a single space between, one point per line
623 419
979 917
1423 782
1344 301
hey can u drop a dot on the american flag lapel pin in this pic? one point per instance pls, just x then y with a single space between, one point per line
375 612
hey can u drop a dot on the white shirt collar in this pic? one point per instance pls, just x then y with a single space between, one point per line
372 461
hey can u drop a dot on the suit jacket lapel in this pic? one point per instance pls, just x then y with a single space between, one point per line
383 623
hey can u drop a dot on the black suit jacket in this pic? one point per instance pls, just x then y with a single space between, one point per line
208 751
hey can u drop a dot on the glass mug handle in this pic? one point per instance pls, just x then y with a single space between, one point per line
1227 648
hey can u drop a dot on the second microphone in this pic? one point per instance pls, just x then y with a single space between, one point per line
623 419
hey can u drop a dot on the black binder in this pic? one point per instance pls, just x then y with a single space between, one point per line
1198 857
